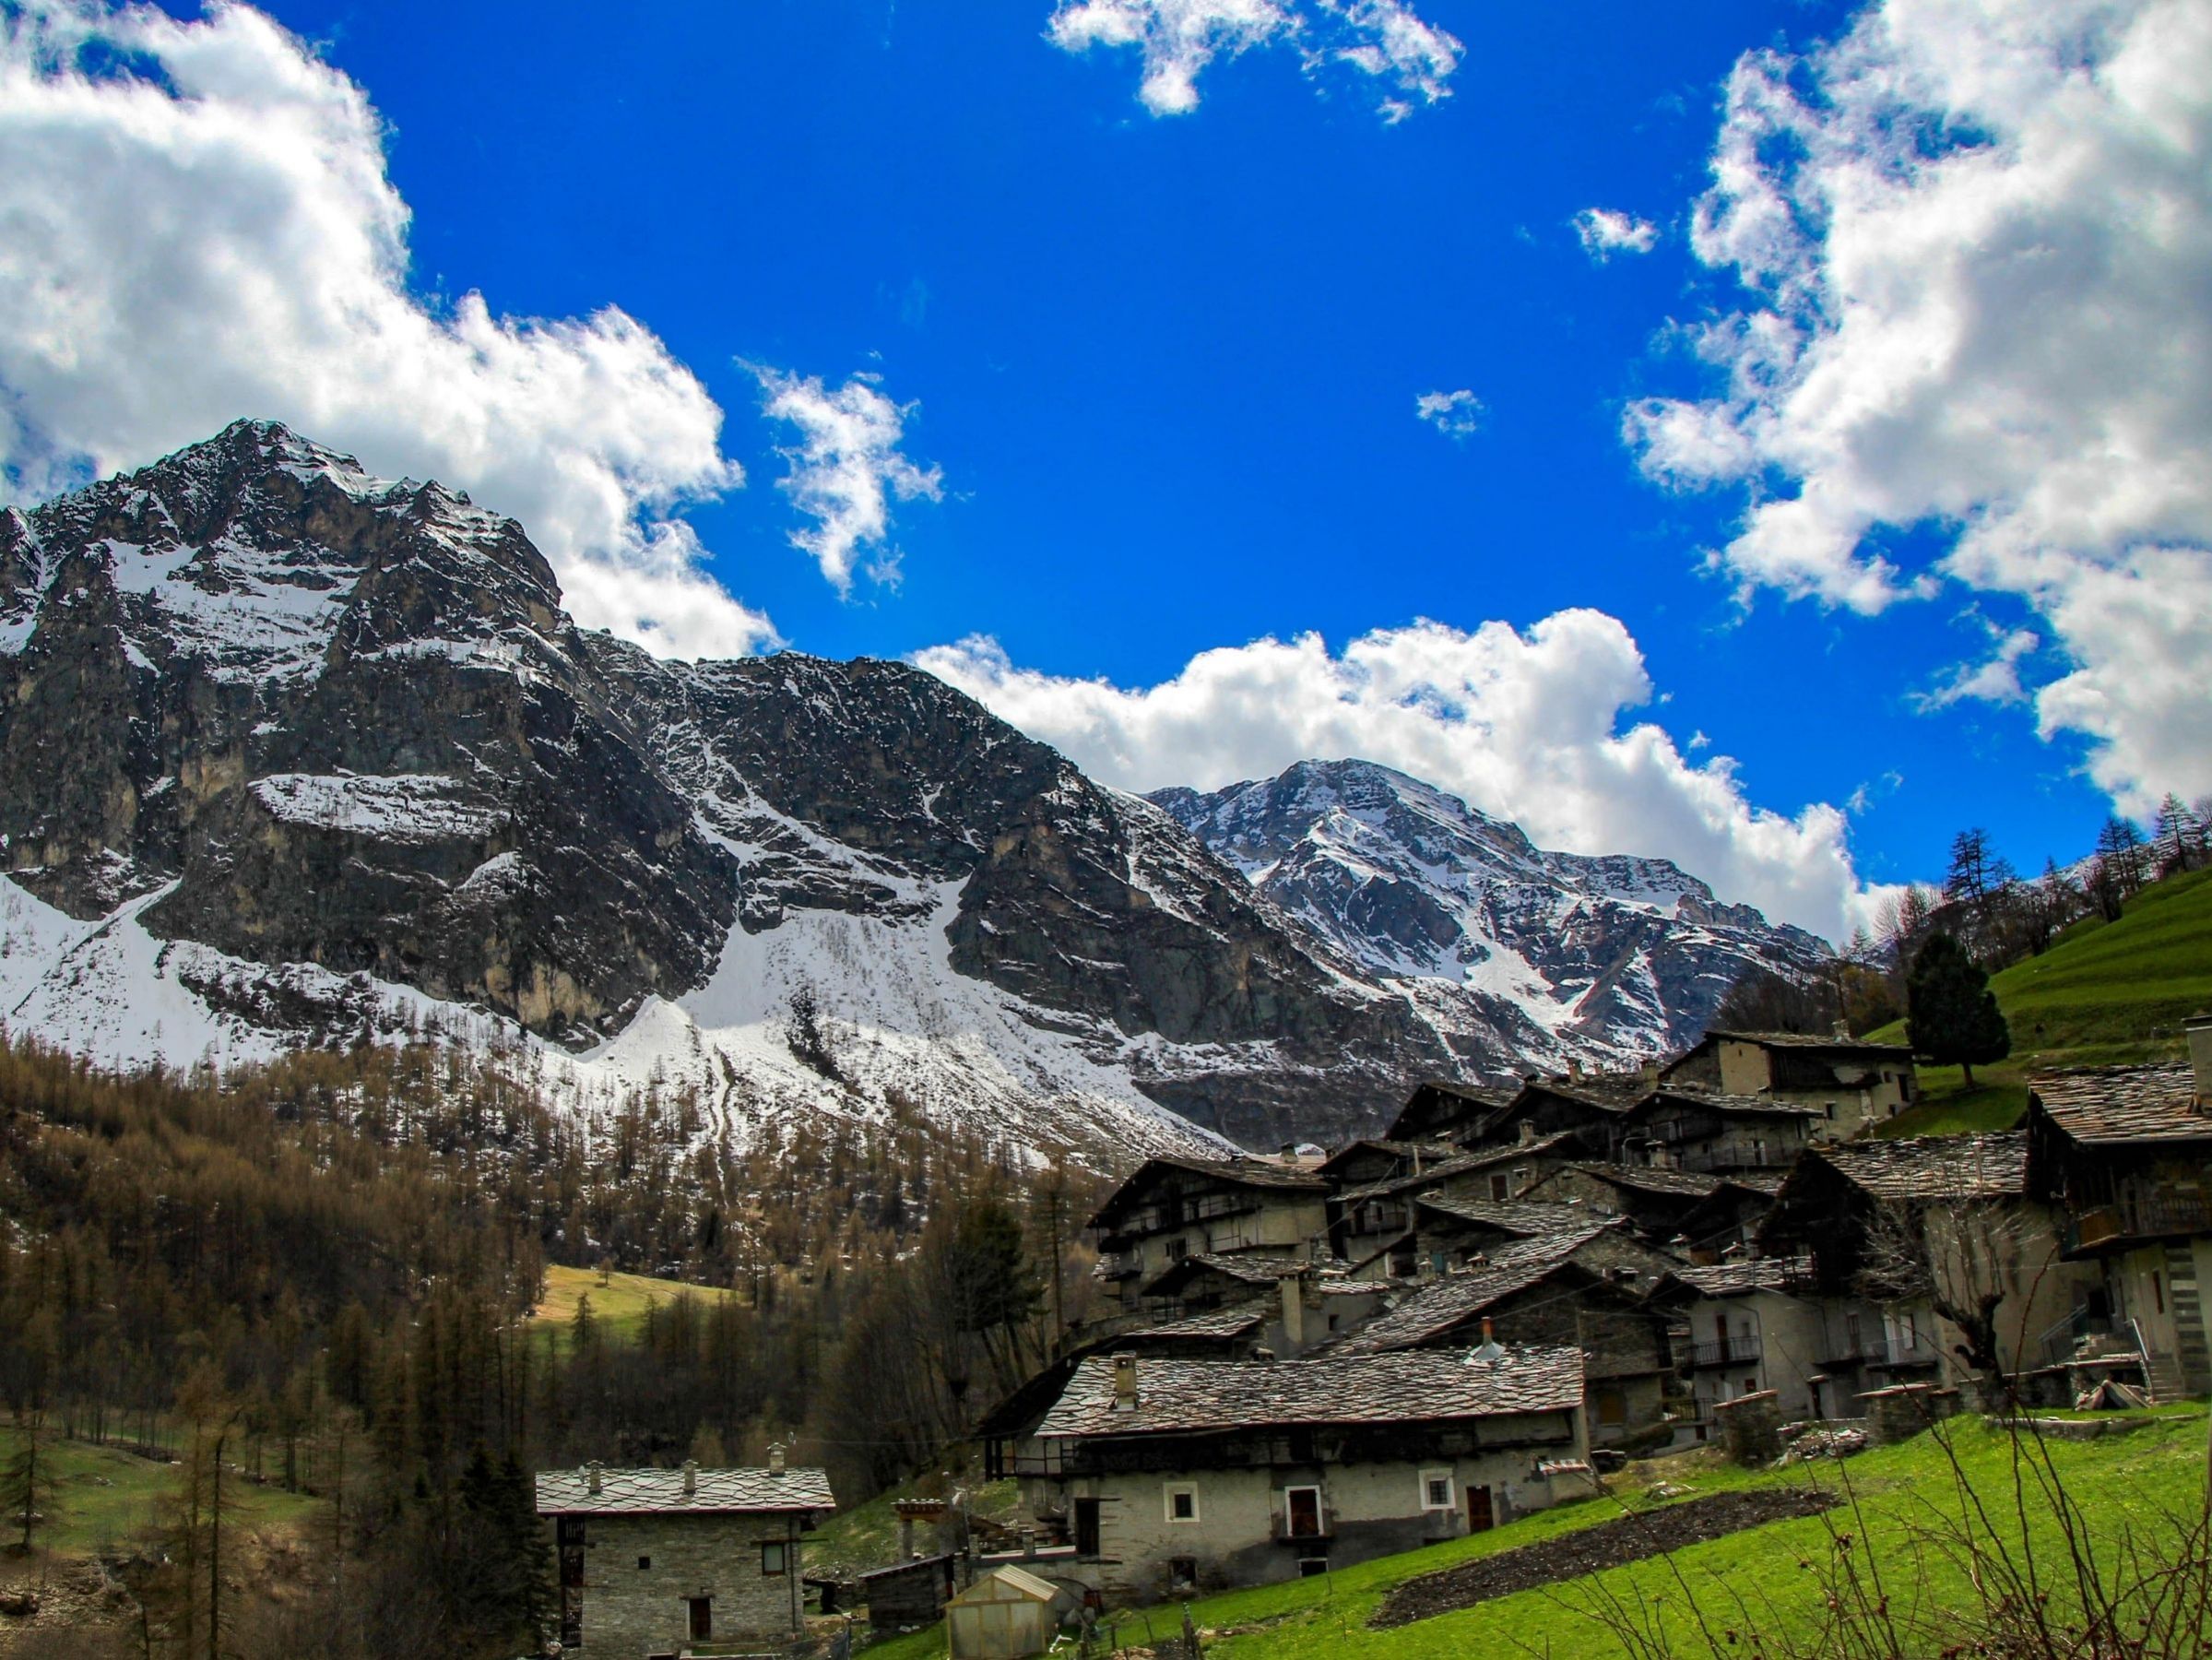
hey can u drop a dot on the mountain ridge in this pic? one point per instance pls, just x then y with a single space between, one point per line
291 754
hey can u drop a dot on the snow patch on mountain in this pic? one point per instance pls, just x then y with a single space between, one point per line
1515 956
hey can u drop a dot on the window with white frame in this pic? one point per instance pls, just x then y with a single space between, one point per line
1182 1500
1436 1490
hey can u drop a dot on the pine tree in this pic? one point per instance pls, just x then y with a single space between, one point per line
1951 1015
30 1493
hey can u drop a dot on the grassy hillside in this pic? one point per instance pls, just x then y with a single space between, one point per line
2104 993
108 1497
2137 1481
618 1306
852 1541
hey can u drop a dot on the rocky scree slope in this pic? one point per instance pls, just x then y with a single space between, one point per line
290 754
1506 950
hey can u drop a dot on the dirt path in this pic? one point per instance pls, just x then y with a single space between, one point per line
1591 1549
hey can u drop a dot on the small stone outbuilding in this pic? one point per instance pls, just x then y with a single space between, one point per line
662 1562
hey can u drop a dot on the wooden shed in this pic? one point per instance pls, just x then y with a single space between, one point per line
1005 1615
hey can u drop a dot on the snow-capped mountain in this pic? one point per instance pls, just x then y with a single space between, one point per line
1506 950
289 754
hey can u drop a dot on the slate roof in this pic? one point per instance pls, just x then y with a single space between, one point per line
1750 1273
1383 1143
1728 1105
1232 1321
1810 1041
1183 1396
1529 1219
1442 1305
2116 1104
1934 1166
1646 1179
1251 1171
660 1492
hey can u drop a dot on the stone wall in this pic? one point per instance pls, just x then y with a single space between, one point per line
641 1571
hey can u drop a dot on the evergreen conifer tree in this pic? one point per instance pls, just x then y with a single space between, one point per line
1951 1016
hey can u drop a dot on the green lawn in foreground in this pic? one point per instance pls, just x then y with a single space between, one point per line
619 1306
2123 1482
107 1495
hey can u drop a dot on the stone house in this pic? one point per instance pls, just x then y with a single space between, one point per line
1851 1083
1750 1331
1172 1476
2126 1152
1173 1208
656 1563
1447 1111
1705 1214
1595 1289
1905 1234
1716 1134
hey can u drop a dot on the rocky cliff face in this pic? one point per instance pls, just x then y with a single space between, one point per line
288 752
1514 956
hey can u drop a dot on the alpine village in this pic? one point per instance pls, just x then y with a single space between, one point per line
385 1327
1111 829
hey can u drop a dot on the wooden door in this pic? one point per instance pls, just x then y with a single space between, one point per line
1086 1527
703 1619
1481 1518
1305 1511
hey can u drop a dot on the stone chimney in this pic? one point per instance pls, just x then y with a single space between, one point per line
1125 1382
1840 1029
1528 1131
1293 1288
591 1477
776 1458
691 1476
1574 1071
2199 1028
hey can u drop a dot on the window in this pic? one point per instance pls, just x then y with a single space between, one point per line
772 1557
645 1562
1182 1573
1301 1512
1520 1179
1613 1406
1436 1490
2157 1291
1182 1502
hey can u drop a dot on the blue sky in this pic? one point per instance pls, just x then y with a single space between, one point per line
1165 368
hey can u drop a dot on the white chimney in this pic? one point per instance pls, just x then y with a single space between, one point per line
1528 1131
691 1476
591 1477
1125 1382
2199 1028
776 1458
1574 1070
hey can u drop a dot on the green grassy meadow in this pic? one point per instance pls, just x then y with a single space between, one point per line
867 1536
617 1307
2105 994
1770 1579
109 1495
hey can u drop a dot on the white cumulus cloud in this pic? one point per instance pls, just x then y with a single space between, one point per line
1405 57
846 469
197 224
1526 725
1605 231
1975 245
1454 414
